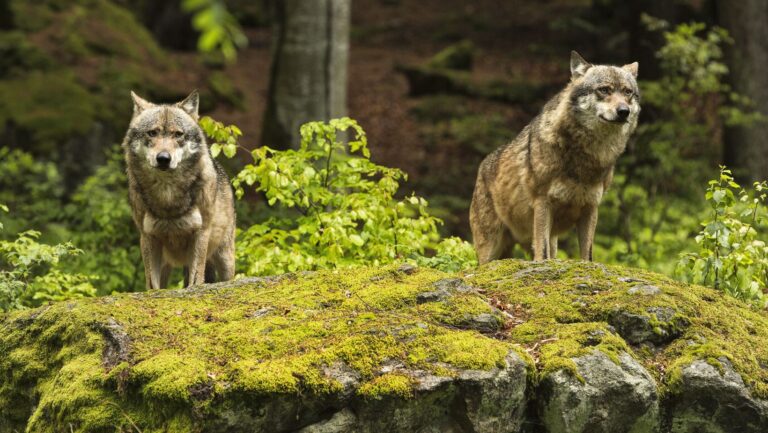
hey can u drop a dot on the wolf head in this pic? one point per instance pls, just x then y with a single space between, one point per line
604 96
164 136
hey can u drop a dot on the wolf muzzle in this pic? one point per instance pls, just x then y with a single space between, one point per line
163 160
622 113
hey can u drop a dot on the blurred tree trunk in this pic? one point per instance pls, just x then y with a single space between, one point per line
6 19
308 80
746 148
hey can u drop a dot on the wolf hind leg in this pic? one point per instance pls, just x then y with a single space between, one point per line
186 276
165 274
491 238
210 272
223 261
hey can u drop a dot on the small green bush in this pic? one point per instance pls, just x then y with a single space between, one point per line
30 274
333 206
730 256
98 216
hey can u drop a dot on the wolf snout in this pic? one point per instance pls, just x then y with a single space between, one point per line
163 160
622 113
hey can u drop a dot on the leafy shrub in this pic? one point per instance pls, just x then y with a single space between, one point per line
334 207
99 215
30 274
730 256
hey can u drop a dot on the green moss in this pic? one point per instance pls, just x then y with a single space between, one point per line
565 307
275 337
188 350
388 385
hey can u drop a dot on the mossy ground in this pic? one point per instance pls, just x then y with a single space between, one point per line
191 349
566 308
262 338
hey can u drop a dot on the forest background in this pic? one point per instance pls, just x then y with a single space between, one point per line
434 86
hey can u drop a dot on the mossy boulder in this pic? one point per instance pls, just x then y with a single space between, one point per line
512 346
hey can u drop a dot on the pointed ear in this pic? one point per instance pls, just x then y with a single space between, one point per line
631 68
190 104
139 104
579 66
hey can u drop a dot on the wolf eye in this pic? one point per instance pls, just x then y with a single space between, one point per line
152 133
628 92
604 90
178 134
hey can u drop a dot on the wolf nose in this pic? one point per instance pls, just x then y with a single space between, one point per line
622 112
163 159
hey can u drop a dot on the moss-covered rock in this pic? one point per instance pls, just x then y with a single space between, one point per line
509 345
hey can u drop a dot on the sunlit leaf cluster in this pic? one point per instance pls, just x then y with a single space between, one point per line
334 207
30 274
731 256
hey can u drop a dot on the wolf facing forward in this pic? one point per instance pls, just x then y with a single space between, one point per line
554 173
181 199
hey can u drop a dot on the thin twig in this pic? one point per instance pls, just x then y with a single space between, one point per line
133 424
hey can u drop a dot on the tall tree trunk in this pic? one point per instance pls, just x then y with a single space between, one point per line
309 67
746 148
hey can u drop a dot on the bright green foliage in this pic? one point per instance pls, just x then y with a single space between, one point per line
99 218
451 254
224 137
730 256
336 207
30 274
219 30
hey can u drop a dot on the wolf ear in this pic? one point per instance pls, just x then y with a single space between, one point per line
631 68
190 104
579 66
139 104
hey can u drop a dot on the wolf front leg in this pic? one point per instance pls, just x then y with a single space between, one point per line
199 256
152 254
586 227
552 247
542 228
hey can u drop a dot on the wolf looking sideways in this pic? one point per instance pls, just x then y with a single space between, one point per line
181 198
554 173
